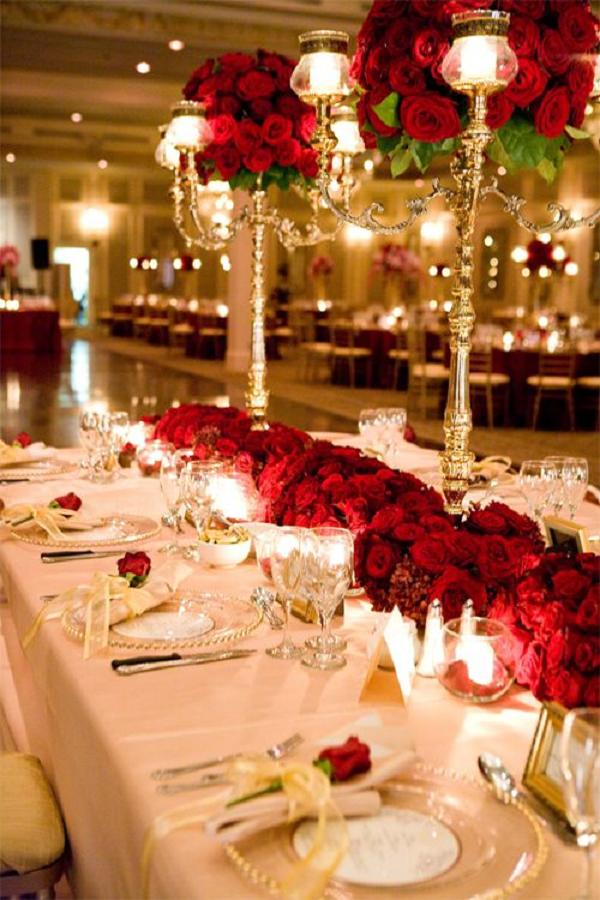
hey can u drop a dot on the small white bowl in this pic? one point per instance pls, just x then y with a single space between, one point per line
223 554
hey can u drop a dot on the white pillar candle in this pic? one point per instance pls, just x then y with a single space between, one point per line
479 658
478 60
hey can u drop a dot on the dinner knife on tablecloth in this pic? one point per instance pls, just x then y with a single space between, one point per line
72 555
134 664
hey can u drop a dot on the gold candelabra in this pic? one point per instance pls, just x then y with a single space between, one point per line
186 134
479 63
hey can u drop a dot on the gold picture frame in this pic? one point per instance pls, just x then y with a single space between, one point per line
562 534
542 775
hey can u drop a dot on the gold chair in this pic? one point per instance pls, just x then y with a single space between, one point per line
555 381
484 381
314 354
423 377
399 355
588 393
344 350
179 325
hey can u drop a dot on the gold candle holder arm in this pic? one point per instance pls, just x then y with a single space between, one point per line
563 218
184 196
257 395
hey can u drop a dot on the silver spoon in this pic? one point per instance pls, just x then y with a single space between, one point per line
495 773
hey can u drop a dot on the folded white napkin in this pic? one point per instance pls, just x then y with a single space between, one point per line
52 520
14 454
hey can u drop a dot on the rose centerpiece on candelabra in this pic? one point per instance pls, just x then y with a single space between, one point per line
398 265
319 269
494 92
541 259
241 123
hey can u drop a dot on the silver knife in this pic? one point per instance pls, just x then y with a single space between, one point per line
135 664
73 555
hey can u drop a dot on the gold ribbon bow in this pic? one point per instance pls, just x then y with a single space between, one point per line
48 518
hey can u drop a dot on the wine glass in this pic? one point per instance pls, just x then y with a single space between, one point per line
198 490
95 436
536 480
580 764
88 435
557 500
289 550
172 468
575 482
329 571
369 426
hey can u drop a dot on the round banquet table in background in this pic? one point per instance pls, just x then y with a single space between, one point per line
100 735
30 331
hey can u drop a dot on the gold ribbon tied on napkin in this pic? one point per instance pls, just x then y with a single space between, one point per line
52 520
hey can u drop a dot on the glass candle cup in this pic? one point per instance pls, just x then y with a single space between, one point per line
151 455
477 663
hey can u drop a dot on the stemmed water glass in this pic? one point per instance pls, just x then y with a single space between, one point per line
557 499
369 426
580 764
172 468
290 550
575 482
328 575
199 478
537 480
95 436
392 425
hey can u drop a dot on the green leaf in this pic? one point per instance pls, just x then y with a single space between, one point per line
577 133
547 170
400 162
325 766
389 144
387 110
272 788
498 154
523 145
422 153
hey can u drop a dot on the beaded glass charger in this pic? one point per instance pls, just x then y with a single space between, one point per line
186 620
35 469
438 836
122 529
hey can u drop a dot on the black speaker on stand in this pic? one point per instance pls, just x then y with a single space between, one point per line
40 259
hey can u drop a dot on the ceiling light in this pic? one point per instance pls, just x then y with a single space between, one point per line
176 45
142 68
10 158
102 164
76 117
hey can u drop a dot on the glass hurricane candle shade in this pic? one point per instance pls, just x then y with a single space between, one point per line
477 661
323 72
188 129
166 155
480 57
151 455
345 127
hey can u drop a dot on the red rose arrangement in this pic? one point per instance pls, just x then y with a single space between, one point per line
67 501
408 111
542 254
553 613
413 553
392 259
135 567
9 256
320 265
23 439
259 126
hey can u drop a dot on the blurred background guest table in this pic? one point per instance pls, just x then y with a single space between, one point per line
32 327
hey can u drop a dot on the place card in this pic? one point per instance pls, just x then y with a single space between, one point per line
393 633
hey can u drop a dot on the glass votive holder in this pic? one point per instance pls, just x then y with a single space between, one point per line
263 536
477 661
151 455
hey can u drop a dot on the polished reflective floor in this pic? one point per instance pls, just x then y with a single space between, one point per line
42 394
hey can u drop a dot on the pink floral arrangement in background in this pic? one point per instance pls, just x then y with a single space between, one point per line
320 265
9 256
392 259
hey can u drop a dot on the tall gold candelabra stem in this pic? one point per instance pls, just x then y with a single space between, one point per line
257 395
467 170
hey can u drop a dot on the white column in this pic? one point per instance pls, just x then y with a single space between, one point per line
238 294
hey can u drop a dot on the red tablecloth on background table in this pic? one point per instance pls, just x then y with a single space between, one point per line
29 331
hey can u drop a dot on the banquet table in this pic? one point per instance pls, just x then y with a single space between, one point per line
100 735
30 331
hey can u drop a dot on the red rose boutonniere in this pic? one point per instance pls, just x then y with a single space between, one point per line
67 501
135 567
22 440
341 763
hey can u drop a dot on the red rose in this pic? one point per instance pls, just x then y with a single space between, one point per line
224 128
229 104
463 548
190 90
591 691
437 525
239 62
259 159
305 126
453 588
387 518
504 609
430 554
559 650
552 114
23 438
532 8
531 665
275 129
565 687
228 161
287 152
351 758
588 614
68 501
496 560
487 521
589 563
429 9
578 28
248 136
306 493
260 109
580 79
226 447
429 117
399 37
551 619
529 82
577 114
427 45
255 84
499 110
380 559
210 86
135 567
406 78
407 532
523 35
376 67
553 54
570 586
289 106
372 99
587 654
308 164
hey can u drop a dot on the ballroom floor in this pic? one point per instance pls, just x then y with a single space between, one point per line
42 395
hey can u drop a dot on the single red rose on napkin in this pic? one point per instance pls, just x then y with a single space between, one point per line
68 501
127 455
135 567
23 439
351 758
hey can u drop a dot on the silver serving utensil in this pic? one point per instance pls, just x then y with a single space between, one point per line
495 773
265 600
137 664
73 555
277 751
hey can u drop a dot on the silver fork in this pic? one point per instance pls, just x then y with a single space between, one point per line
277 751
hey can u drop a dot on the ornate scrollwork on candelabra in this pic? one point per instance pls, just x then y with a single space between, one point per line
563 219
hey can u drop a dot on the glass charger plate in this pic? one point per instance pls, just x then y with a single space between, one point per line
46 468
189 619
481 846
123 529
